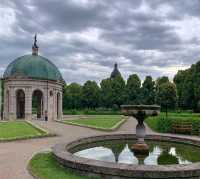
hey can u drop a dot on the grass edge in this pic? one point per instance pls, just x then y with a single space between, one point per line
115 127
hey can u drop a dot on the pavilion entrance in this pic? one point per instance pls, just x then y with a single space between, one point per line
20 96
37 103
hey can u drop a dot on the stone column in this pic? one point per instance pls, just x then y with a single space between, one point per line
46 101
5 105
60 106
54 101
12 104
55 104
28 103
51 104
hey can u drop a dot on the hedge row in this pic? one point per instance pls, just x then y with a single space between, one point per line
164 125
91 112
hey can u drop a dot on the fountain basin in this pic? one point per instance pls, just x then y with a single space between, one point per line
108 170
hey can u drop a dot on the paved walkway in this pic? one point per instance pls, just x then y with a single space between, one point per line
14 156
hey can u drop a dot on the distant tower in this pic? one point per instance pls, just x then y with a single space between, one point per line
34 46
115 72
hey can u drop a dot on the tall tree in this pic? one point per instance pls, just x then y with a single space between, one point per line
166 96
65 97
182 89
148 91
90 94
195 80
72 96
133 89
106 93
161 80
188 87
118 90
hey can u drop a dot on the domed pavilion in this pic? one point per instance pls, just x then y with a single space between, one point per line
33 88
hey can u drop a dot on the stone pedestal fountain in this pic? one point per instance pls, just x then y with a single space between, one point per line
140 112
82 155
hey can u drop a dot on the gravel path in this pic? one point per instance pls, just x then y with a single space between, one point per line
14 156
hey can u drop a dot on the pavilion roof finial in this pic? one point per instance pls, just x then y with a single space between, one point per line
35 46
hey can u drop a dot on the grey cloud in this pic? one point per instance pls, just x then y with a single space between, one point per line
57 15
181 8
127 36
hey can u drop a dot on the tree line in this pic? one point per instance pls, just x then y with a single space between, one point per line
182 93
113 92
188 88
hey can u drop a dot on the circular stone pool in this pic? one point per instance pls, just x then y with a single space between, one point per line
119 151
110 156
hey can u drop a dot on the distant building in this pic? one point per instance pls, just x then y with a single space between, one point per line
115 72
32 79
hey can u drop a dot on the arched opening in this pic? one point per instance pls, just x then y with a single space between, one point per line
20 96
58 106
37 103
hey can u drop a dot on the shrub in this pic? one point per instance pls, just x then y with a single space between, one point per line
97 111
70 112
164 124
195 126
73 111
115 107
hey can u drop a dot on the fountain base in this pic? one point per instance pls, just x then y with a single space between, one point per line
140 148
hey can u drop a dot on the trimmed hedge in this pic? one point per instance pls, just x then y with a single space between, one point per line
164 125
91 112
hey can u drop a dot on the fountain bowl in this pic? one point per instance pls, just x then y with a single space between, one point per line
147 110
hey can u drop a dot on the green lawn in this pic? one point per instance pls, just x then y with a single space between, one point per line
104 122
162 124
11 130
44 166
91 112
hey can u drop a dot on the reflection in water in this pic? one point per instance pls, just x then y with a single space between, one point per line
181 160
161 153
97 153
127 156
152 159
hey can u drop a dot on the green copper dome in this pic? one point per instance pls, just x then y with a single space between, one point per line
33 66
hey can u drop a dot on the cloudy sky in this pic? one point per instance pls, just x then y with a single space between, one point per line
84 38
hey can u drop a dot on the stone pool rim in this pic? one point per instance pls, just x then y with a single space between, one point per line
103 169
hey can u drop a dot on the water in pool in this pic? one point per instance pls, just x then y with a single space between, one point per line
160 153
